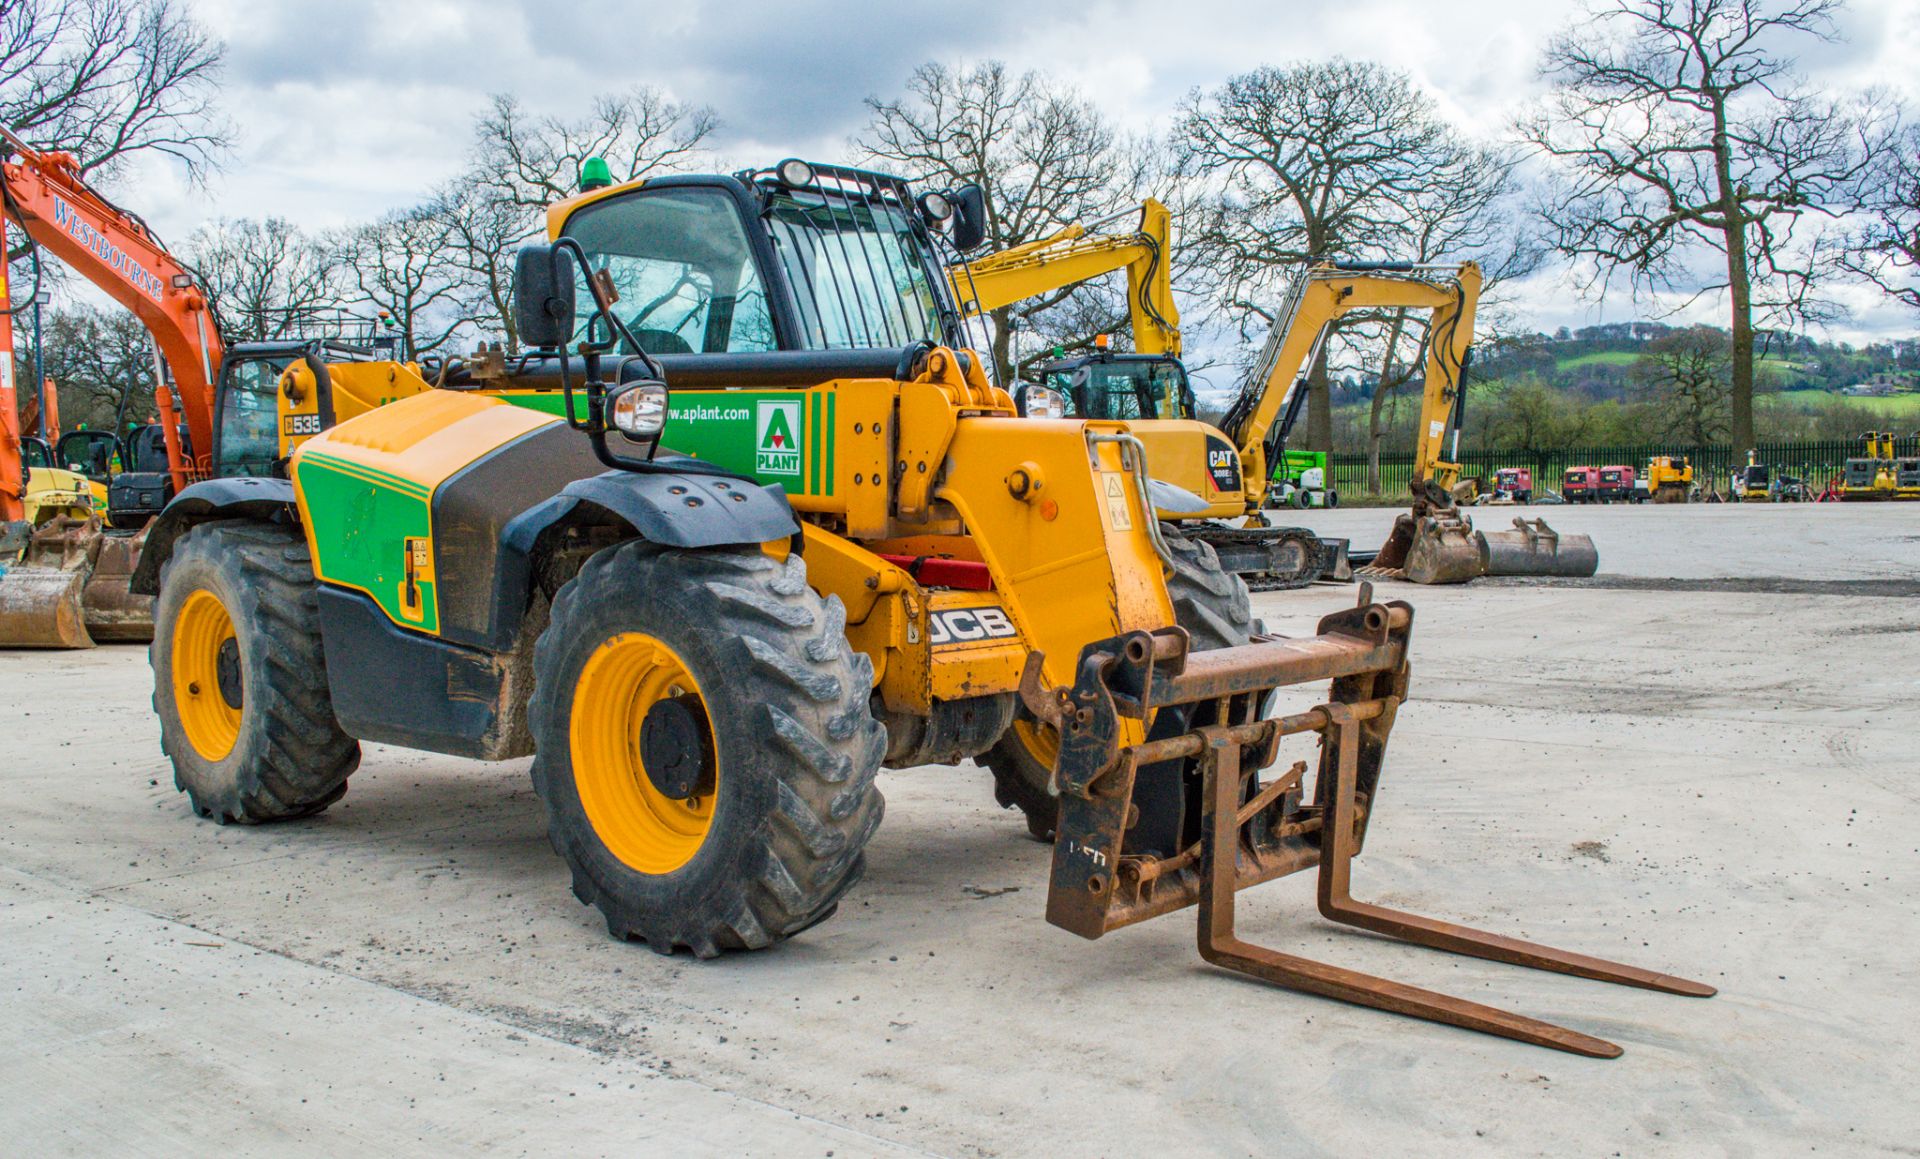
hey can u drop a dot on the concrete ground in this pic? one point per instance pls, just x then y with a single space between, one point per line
1714 779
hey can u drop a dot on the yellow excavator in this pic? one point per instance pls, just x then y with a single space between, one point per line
1212 480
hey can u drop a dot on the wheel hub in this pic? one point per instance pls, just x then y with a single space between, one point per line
674 749
226 669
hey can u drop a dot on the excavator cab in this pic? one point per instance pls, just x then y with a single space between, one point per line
1105 385
34 452
98 455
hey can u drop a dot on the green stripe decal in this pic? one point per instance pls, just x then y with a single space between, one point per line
368 474
827 439
815 453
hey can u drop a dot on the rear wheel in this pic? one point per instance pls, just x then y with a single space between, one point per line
240 678
1210 602
704 746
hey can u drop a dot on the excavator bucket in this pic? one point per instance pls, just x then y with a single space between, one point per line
71 589
113 614
41 596
1436 547
1202 718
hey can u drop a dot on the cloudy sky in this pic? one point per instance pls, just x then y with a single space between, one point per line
347 108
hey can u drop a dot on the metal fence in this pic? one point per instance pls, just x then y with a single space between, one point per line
1817 462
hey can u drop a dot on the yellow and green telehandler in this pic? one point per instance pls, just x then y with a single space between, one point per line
719 546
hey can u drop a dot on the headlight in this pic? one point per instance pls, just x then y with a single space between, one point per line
794 173
935 206
1043 402
639 411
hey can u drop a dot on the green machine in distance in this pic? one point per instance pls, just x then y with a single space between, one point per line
1300 481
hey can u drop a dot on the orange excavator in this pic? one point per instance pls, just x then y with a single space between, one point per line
67 587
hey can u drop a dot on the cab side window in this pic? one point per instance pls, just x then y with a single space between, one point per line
250 417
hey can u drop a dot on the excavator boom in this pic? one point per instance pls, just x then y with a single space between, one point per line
64 577
1078 254
46 197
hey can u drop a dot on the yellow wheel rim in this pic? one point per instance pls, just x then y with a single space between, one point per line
647 830
1042 743
199 633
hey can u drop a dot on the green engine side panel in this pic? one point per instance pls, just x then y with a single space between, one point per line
770 436
360 519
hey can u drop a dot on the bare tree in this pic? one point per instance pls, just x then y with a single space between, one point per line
1887 250
483 233
522 162
1469 210
399 265
106 79
1304 164
97 358
264 277
531 161
1678 125
1045 158
1687 377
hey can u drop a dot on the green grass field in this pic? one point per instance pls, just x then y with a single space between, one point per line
1897 407
1600 358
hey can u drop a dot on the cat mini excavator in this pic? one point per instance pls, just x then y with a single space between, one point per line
1211 479
752 528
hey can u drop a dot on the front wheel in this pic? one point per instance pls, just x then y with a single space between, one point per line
704 746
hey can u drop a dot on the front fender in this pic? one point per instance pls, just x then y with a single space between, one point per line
670 508
267 500
687 510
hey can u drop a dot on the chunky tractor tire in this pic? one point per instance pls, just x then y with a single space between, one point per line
704 746
240 679
1210 602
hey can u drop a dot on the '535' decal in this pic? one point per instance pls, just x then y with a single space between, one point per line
961 625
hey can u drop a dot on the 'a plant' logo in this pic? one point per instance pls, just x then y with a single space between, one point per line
777 439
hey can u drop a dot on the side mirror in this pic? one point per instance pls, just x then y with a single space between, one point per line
543 303
969 217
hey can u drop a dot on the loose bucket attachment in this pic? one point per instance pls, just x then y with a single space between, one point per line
70 589
1203 709
1533 548
1436 544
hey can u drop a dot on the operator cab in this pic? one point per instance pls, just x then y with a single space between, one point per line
34 452
1105 385
799 257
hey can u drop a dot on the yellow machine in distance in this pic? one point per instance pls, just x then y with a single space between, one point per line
1876 474
1670 478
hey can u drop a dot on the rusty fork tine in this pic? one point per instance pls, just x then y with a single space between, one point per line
1337 903
1218 945
1367 990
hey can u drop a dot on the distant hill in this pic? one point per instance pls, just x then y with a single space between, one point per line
1805 388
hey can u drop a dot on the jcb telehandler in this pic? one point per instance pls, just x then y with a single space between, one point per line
854 555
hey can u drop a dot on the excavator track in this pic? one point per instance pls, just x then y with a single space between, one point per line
1269 559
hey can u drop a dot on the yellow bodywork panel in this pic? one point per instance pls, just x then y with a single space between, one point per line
54 491
1072 563
1180 452
356 388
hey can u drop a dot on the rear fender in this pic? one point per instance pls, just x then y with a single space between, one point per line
267 500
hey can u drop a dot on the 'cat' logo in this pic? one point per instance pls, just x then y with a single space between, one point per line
963 624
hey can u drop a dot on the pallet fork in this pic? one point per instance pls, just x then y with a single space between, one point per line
1249 831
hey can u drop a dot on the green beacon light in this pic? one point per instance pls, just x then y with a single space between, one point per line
594 174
